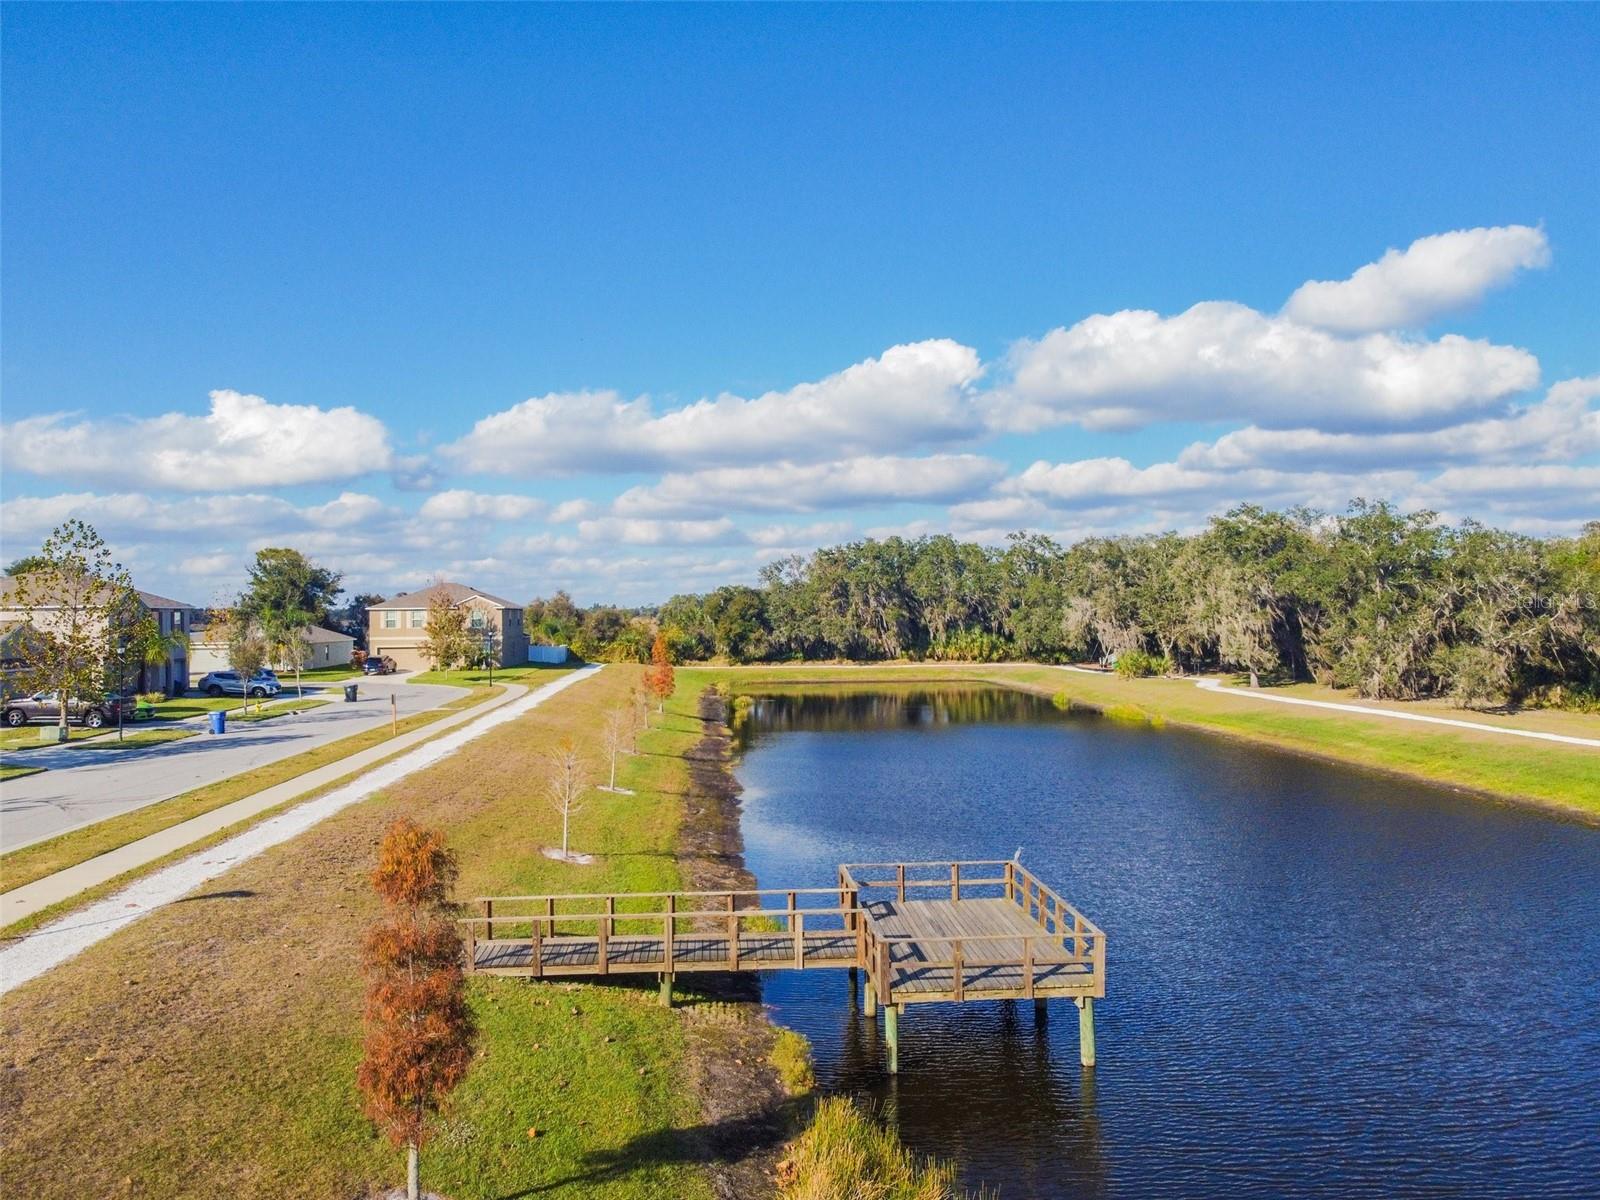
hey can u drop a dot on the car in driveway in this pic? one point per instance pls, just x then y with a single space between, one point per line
378 666
93 713
228 683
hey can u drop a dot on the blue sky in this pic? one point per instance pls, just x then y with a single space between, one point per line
456 289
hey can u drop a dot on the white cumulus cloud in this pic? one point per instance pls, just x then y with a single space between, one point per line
459 504
909 394
1221 361
243 442
1432 276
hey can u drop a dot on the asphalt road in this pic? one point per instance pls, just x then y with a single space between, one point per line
83 786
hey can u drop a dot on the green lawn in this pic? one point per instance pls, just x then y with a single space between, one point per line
27 737
534 675
277 709
13 771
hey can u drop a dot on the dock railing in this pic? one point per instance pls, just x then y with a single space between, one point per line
533 921
1071 938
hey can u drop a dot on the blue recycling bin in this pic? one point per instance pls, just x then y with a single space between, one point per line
219 722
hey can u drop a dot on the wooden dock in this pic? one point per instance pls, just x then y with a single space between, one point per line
921 933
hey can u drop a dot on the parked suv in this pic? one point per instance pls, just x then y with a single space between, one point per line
378 666
44 706
228 683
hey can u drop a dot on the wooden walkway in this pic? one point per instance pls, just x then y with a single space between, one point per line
945 932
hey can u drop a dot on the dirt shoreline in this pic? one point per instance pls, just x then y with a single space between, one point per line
748 1114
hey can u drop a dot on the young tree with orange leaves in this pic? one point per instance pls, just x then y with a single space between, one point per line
419 1031
659 678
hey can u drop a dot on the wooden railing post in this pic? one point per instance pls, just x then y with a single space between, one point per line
1011 881
955 881
538 949
603 955
883 972
611 909
733 937
799 941
667 931
957 972
900 880
488 911
1027 968
550 915
472 949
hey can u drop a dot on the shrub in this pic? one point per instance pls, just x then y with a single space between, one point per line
1136 664
1062 701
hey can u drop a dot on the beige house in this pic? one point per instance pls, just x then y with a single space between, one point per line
174 616
326 648
397 628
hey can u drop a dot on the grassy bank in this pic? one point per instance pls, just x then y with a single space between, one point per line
23 866
228 1069
1564 778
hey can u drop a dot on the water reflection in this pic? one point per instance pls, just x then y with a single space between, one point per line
1300 999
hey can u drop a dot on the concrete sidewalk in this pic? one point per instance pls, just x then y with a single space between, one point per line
63 885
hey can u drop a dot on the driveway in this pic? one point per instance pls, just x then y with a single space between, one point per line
82 786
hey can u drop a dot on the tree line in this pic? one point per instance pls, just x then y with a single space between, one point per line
1390 603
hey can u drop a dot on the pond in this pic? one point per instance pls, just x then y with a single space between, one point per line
1321 981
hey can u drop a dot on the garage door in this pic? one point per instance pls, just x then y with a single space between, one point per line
406 658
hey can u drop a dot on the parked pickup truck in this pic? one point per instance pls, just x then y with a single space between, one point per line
228 683
44 706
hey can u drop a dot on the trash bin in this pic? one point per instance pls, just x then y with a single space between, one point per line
219 722
350 693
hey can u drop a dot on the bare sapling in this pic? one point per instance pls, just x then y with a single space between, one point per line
614 736
566 780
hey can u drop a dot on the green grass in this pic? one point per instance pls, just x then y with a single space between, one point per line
791 1058
12 771
134 739
276 710
58 853
533 675
1548 774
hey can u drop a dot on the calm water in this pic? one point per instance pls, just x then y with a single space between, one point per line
1321 982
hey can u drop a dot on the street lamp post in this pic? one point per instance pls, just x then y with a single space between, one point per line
488 653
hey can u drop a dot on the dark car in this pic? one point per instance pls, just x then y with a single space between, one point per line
43 706
378 666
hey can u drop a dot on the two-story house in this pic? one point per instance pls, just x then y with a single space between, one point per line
397 628
170 675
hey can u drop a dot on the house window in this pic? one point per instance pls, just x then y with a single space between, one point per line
417 621
476 620
391 620
177 620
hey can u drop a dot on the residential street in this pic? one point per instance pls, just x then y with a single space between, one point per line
82 786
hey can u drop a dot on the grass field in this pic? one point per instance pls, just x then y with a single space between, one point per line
13 771
1565 778
228 1069
45 858
133 737
532 674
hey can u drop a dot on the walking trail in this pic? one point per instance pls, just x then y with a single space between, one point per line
54 943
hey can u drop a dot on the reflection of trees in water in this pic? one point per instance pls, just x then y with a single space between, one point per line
883 707
983 1084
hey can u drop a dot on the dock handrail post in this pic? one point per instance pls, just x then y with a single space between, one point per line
1086 1030
472 948
885 992
611 909
733 938
1011 881
799 925
488 912
667 930
900 880
1027 968
1100 961
602 955
955 881
957 973
538 949
550 915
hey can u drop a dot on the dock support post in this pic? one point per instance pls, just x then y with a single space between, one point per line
870 998
1086 1030
855 981
666 990
891 1035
